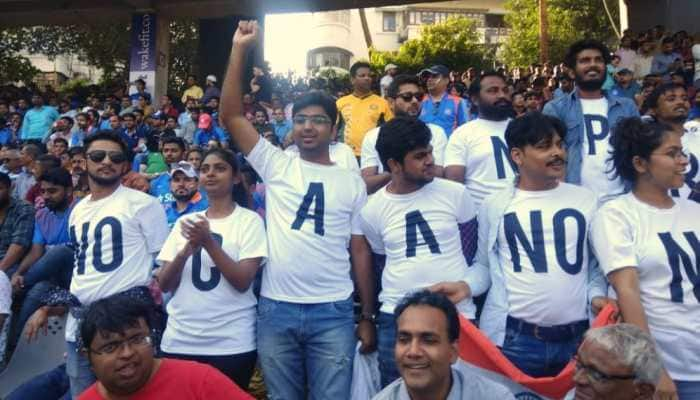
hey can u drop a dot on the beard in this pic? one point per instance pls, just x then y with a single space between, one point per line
590 85
496 112
184 197
102 181
56 206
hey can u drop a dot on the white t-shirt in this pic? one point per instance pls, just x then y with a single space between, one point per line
207 315
691 145
596 149
311 212
369 157
417 232
340 153
480 147
696 57
662 244
543 249
116 239
5 295
384 84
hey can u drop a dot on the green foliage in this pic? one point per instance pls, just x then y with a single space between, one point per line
454 43
568 21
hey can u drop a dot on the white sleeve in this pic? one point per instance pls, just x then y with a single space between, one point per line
456 150
267 160
154 225
371 231
360 201
368 154
696 52
350 159
612 238
466 211
253 239
173 244
439 143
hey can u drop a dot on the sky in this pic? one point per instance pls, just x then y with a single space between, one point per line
286 36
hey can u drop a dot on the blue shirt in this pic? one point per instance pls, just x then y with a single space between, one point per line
449 113
160 188
5 136
568 110
202 137
197 203
51 228
281 129
37 122
629 93
132 140
135 97
661 64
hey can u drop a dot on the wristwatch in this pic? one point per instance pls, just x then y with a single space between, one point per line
367 316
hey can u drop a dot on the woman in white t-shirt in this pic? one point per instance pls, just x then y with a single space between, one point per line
209 263
648 244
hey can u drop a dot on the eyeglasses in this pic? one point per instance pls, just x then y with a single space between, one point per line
136 341
676 155
408 96
315 119
597 376
116 157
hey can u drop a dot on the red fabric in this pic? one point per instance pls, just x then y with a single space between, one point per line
476 349
182 380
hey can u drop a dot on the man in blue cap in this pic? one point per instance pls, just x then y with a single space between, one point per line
439 107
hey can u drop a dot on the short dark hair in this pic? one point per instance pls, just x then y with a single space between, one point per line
634 137
667 39
585 44
114 313
652 101
67 119
107 135
57 176
435 300
5 179
532 128
77 150
358 65
32 150
60 139
399 81
317 99
128 115
175 140
48 161
475 86
399 136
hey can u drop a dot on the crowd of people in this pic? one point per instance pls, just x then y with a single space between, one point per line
234 228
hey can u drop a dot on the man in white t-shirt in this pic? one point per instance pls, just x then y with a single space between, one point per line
339 152
533 249
390 70
404 96
413 221
306 336
116 233
590 115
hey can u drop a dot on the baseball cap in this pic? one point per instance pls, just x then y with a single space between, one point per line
184 167
624 71
204 121
211 78
390 66
435 70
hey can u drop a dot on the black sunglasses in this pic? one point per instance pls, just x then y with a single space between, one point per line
116 157
409 96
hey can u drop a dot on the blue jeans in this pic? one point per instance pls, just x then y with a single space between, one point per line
78 370
688 390
536 357
306 348
386 339
50 385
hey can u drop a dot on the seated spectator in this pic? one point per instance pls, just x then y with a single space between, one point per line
21 180
153 162
566 86
117 338
207 131
617 362
280 124
427 329
17 227
184 187
194 156
167 109
625 85
130 133
188 126
78 172
261 124
173 151
211 90
533 101
59 147
42 164
193 91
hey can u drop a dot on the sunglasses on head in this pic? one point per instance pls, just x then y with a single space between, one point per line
116 157
409 96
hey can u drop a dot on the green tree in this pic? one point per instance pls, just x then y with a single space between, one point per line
569 21
454 43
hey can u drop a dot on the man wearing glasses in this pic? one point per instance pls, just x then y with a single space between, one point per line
116 333
439 107
404 97
116 232
617 362
305 326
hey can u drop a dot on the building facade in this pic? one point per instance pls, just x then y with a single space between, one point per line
338 39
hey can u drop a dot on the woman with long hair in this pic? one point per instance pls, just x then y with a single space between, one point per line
209 262
648 244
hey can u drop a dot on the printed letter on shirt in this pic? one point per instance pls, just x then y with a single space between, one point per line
414 223
602 132
314 195
675 254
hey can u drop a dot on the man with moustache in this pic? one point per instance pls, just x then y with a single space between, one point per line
590 115
533 252
404 96
184 187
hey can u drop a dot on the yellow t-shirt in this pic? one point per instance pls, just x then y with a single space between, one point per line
359 115
194 92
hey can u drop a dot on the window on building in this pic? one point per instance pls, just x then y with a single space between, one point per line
389 21
427 17
413 18
329 57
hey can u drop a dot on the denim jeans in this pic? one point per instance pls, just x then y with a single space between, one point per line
33 300
51 385
306 349
536 357
78 370
386 339
688 390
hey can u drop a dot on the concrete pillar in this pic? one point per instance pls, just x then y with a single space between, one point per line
624 17
150 42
